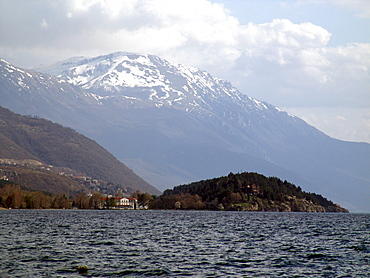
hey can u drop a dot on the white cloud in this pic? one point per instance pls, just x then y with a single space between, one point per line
339 122
282 62
44 24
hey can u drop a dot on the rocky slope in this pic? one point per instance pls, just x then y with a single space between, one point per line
174 124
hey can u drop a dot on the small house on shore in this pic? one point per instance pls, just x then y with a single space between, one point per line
111 202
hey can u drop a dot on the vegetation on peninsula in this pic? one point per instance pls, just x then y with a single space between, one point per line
244 192
44 165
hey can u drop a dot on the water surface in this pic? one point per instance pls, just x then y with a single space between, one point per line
53 243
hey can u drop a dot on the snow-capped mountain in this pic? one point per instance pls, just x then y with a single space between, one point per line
126 80
175 124
160 82
35 93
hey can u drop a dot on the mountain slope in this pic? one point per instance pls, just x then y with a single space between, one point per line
175 124
38 94
35 138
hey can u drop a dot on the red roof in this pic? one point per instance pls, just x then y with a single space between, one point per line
117 198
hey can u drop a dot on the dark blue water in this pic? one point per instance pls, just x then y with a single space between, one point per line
53 243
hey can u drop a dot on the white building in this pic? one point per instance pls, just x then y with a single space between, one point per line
126 203
119 202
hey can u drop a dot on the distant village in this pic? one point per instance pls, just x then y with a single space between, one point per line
105 194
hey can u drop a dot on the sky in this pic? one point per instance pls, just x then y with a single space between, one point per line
308 57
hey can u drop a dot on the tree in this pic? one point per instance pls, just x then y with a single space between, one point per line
8 201
144 199
41 200
82 201
17 198
95 200
12 195
110 202
60 201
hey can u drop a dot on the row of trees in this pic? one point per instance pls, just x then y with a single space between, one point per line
246 189
13 196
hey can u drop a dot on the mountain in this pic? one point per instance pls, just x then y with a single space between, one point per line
49 143
33 176
244 192
173 124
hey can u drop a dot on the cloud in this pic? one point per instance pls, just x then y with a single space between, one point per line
343 122
284 63
290 64
44 24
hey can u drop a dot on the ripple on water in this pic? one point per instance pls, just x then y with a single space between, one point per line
183 244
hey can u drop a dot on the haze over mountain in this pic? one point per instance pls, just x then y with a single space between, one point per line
48 143
175 124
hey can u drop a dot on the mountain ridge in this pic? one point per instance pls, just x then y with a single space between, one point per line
171 135
53 144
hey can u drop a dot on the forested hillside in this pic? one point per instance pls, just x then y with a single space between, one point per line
174 124
24 137
247 192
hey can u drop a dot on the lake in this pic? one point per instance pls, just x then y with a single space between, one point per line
54 243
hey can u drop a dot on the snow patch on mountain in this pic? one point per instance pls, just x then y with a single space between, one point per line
132 80
150 78
185 124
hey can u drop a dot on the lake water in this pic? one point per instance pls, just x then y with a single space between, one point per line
53 243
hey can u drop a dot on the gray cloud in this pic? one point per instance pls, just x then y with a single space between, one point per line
286 64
